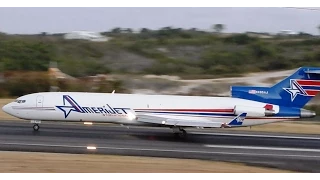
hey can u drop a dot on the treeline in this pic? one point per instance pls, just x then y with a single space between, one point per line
171 50
34 53
20 83
236 54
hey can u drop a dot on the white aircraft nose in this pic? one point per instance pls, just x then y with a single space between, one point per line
7 108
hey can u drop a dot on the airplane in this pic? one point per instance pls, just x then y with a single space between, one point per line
247 106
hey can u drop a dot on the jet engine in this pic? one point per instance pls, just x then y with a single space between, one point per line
253 111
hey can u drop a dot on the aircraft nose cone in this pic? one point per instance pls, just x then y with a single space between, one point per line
6 108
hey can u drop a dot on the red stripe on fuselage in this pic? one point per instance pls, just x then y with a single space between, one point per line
190 110
308 83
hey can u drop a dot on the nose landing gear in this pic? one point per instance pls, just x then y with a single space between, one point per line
36 126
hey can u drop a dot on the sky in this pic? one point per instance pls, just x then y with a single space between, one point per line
26 20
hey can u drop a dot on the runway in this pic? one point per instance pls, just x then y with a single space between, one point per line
284 151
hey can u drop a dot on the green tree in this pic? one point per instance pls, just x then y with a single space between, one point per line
116 30
319 29
128 30
218 28
144 30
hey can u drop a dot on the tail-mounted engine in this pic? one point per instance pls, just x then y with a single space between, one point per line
253 111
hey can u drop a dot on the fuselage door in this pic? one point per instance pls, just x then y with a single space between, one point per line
39 101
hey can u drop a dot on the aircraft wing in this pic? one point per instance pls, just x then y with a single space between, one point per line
237 121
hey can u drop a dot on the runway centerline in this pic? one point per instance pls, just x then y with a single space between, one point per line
183 151
255 135
261 148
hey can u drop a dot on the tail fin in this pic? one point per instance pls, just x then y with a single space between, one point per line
237 121
293 91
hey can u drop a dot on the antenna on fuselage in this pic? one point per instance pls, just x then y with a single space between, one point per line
113 91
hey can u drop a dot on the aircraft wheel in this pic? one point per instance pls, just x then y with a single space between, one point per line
176 135
36 127
183 133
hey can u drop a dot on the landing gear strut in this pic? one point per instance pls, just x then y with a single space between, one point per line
179 132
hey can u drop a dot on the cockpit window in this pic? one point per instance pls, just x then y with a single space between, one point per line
20 101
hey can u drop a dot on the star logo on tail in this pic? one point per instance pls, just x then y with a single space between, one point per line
295 89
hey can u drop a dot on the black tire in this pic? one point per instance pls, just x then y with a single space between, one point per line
176 135
36 127
180 135
183 134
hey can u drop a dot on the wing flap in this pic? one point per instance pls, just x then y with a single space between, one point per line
237 121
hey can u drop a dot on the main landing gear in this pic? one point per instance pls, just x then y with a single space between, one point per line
36 126
179 132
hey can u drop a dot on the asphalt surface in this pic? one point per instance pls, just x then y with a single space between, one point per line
283 151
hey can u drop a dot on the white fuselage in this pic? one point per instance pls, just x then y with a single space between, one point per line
125 108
